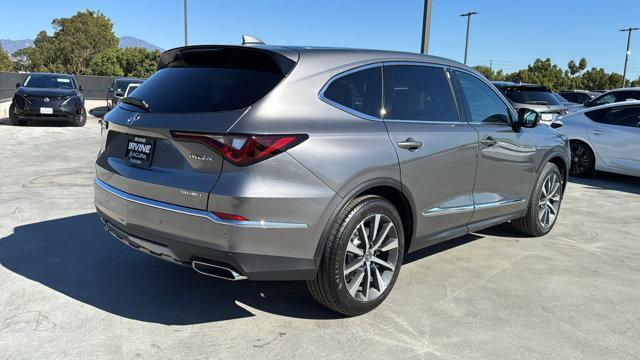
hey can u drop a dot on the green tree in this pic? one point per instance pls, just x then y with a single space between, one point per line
576 68
542 72
489 73
5 61
106 63
76 41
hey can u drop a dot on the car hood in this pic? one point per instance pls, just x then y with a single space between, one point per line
50 92
540 108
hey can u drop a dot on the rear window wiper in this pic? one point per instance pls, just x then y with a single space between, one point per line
137 103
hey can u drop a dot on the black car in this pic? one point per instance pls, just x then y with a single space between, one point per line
48 97
578 96
117 89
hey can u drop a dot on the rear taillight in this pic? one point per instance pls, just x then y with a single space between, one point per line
243 150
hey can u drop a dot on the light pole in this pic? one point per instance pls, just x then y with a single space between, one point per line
426 25
628 54
186 39
466 45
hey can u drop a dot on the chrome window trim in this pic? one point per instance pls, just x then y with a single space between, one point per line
195 212
437 211
348 109
427 64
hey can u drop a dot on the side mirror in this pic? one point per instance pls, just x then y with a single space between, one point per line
527 118
80 88
18 84
110 89
556 124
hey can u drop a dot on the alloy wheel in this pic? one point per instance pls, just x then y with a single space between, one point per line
579 160
371 258
549 202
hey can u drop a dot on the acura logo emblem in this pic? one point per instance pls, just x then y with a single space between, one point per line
133 118
46 99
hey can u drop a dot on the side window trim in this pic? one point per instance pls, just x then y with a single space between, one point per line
348 109
420 63
504 100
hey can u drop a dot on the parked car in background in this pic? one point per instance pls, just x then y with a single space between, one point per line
48 97
536 97
117 89
226 160
614 96
604 138
130 89
578 96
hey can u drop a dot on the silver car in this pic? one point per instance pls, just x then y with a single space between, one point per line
604 138
318 164
535 97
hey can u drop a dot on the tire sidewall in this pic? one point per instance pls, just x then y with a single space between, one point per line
535 209
591 157
378 206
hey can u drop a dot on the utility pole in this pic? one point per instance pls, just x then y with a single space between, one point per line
466 45
426 25
628 54
186 39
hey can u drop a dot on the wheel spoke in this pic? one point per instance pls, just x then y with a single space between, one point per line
541 214
354 265
390 245
377 260
354 249
367 282
380 284
376 223
382 236
556 185
551 209
363 234
355 282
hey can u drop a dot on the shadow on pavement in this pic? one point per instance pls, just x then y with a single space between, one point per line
75 257
610 181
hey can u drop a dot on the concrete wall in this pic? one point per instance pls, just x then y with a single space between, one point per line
94 87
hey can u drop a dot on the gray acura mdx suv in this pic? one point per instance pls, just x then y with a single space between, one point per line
317 164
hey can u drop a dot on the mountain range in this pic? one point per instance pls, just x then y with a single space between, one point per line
11 46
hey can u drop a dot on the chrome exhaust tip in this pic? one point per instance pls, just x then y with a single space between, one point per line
216 271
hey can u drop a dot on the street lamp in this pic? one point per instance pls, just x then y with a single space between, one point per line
628 54
466 45
186 40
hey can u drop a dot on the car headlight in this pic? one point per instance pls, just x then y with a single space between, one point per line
69 99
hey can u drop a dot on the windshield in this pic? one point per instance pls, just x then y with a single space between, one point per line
191 90
560 98
524 96
49 81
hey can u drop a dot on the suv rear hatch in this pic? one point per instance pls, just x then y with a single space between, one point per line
535 97
197 89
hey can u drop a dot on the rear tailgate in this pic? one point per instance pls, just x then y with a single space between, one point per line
202 90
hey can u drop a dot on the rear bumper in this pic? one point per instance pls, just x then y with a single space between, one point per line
258 250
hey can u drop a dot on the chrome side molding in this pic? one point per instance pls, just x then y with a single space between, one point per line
437 211
195 212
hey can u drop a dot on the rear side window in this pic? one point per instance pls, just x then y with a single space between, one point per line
422 93
204 89
624 116
360 91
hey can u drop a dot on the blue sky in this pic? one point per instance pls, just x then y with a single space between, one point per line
511 33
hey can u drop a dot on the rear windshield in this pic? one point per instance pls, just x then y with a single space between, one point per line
193 89
536 97
121 85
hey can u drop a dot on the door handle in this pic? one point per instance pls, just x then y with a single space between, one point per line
596 132
410 144
488 141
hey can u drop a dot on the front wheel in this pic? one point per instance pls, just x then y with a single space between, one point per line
582 160
544 205
13 118
82 120
362 257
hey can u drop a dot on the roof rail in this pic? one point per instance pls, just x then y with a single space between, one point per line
251 40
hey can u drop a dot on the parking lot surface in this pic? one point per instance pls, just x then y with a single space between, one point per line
68 290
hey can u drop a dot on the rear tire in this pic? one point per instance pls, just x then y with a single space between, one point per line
13 118
544 205
583 160
356 273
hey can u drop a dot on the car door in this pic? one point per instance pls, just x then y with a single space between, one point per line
436 151
506 159
616 137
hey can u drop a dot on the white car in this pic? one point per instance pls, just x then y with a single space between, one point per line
604 138
130 88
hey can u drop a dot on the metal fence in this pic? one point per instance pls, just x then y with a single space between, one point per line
93 87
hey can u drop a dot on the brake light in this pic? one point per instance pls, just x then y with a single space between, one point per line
243 150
